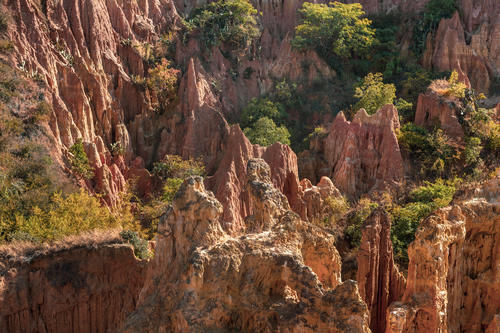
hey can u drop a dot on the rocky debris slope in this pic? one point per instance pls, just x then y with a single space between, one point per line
358 156
453 276
282 275
380 282
470 45
78 289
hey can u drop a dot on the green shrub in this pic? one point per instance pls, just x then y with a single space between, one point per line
172 185
422 201
259 108
335 208
472 151
141 246
264 132
76 213
337 29
373 93
225 21
79 161
429 151
173 166
162 81
117 149
318 132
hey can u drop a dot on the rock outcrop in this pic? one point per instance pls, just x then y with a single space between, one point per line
83 288
358 156
284 275
453 275
380 282
434 109
471 47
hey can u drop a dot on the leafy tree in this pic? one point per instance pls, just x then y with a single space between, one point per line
162 81
79 160
456 87
373 93
228 21
265 132
472 151
336 28
259 108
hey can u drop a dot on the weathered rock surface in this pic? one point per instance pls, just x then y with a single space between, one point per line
471 46
358 156
433 109
80 289
453 275
284 276
380 282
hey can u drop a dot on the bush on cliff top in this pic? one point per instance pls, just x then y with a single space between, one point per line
406 218
336 28
70 215
264 132
233 22
373 93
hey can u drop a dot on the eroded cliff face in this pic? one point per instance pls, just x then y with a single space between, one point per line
358 156
453 275
468 44
380 282
83 288
282 274
434 109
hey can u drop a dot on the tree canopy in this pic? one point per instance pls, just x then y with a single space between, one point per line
337 27
228 21
373 93
265 132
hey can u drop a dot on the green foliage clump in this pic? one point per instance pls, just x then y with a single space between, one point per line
162 81
318 132
259 108
472 151
79 161
264 132
169 174
141 246
429 19
422 201
233 22
431 151
373 93
334 209
173 166
355 221
63 216
337 29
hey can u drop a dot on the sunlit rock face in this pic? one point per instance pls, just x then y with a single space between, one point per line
281 274
453 276
359 155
